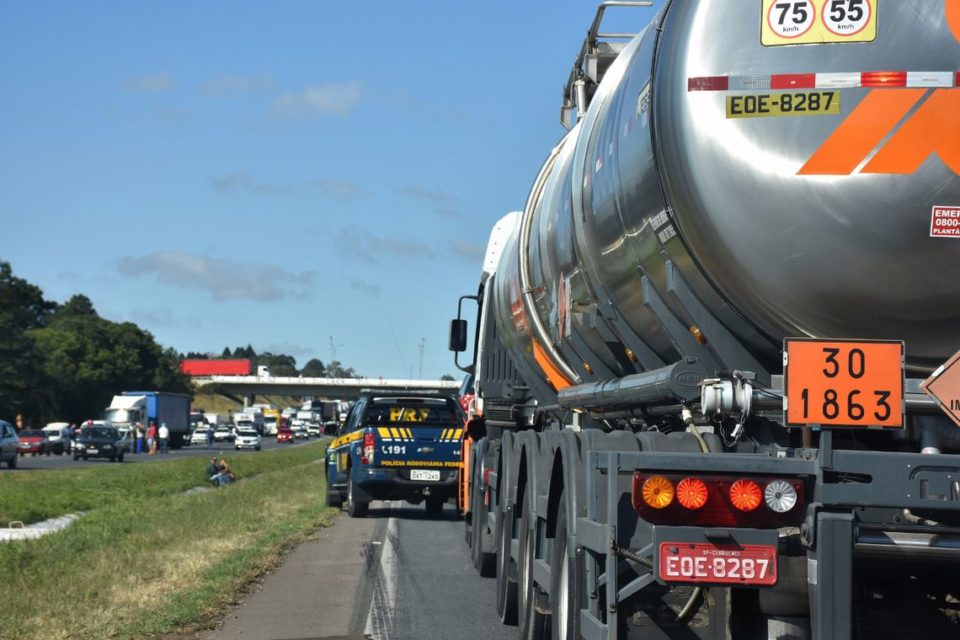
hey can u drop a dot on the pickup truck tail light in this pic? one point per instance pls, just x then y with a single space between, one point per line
369 447
716 500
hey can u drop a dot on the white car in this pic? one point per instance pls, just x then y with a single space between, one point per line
201 435
247 439
314 429
223 434
300 430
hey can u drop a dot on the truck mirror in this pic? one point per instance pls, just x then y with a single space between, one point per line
458 335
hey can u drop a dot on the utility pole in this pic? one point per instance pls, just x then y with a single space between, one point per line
333 349
420 349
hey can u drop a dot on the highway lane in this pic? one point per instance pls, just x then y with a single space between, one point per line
54 461
398 574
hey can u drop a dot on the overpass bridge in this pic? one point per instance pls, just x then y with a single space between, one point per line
330 388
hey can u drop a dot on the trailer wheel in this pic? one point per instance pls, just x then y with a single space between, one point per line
506 573
483 560
533 624
564 582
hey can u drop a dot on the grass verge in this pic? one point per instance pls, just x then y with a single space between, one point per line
143 563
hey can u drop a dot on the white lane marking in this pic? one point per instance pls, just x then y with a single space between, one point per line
380 619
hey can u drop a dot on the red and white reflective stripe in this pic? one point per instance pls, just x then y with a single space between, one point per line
851 80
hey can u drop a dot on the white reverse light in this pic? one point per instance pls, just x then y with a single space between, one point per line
780 496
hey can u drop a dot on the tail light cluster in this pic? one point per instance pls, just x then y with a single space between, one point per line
714 500
369 447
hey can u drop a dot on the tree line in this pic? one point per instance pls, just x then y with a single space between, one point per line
65 362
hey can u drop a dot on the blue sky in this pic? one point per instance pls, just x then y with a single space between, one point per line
224 173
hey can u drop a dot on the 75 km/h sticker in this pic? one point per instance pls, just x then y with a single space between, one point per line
786 22
768 105
843 383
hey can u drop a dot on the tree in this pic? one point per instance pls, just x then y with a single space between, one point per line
78 305
336 370
447 377
22 308
280 364
313 369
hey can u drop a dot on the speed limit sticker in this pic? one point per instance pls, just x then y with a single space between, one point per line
786 22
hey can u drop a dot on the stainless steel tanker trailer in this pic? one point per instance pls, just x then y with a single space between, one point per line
713 352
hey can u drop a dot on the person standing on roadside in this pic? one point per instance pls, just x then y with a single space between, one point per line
152 439
19 423
138 437
164 435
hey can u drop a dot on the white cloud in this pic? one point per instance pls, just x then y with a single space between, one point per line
469 251
228 85
321 99
241 181
356 242
222 279
155 83
340 189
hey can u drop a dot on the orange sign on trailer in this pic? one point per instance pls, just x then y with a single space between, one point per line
844 383
944 387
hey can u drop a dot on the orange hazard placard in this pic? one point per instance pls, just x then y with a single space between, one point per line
844 383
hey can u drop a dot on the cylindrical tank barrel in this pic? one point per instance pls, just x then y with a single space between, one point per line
728 188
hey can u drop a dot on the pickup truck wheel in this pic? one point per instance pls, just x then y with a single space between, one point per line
12 462
355 507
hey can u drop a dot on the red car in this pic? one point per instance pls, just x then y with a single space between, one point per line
32 441
284 434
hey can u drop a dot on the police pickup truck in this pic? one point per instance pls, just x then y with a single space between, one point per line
396 448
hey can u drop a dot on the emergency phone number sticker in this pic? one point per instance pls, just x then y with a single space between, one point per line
786 22
844 383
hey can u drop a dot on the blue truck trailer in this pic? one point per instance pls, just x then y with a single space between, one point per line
159 407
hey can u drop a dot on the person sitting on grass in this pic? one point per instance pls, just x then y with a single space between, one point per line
224 475
212 469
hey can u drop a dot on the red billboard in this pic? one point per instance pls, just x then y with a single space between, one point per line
218 367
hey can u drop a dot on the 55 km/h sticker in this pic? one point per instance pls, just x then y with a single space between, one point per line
786 22
843 383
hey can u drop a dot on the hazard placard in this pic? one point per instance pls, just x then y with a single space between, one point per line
786 22
944 387
844 383
945 222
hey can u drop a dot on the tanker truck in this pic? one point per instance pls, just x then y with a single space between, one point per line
712 354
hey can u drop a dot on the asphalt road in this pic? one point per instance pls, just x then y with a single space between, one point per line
54 461
398 574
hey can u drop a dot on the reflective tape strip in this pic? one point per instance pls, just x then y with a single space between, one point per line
396 434
384 433
846 80
458 434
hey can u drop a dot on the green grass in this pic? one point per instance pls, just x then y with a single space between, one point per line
149 559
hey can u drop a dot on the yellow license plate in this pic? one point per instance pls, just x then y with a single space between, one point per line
772 105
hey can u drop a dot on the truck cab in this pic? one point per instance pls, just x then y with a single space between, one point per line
396 448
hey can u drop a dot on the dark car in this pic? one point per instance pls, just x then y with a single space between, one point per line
8 444
33 441
100 442
396 447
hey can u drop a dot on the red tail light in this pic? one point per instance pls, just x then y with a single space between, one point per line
369 447
718 501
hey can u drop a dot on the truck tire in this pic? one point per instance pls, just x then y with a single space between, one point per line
533 624
483 560
76 456
12 462
434 505
506 573
120 457
355 507
564 592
